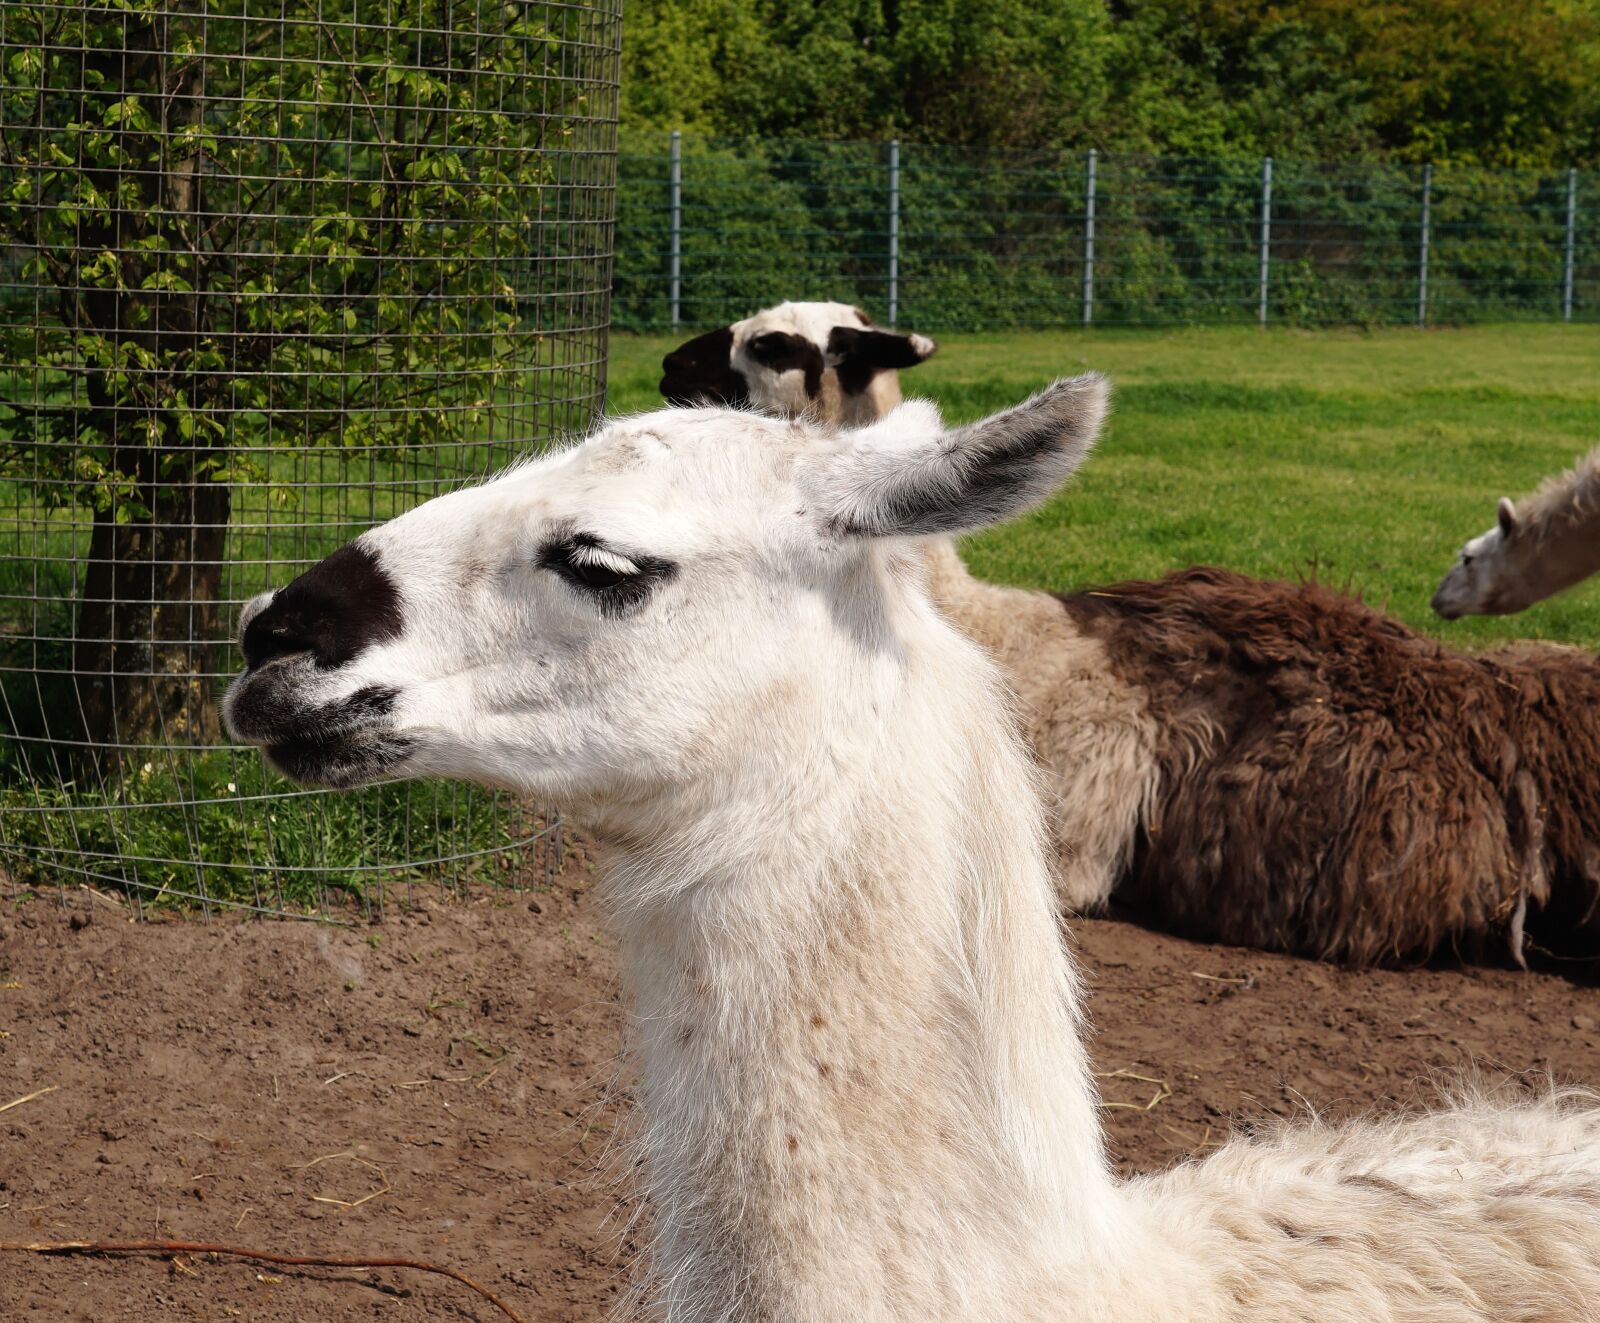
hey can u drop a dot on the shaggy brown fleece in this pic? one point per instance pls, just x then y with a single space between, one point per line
1335 785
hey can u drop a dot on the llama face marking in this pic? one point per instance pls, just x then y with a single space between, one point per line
334 611
701 371
785 360
293 639
630 618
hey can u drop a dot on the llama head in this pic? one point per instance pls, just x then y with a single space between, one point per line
1484 580
826 360
639 613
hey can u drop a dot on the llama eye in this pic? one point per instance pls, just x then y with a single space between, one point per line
597 574
615 581
1466 558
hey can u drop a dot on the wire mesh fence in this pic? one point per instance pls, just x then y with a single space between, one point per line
269 274
951 238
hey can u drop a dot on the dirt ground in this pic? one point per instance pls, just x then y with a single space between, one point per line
443 1085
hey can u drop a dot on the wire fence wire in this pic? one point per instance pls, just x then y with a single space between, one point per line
270 273
946 238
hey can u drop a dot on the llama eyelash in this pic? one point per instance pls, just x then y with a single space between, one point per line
603 559
617 583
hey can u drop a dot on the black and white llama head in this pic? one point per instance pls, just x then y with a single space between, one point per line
825 360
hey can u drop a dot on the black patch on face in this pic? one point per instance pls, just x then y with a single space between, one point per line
860 355
335 611
701 371
615 593
782 352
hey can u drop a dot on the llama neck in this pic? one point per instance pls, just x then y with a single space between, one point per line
1559 544
864 1088
981 611
1008 623
1570 556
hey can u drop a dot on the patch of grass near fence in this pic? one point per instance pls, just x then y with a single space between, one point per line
189 826
1366 458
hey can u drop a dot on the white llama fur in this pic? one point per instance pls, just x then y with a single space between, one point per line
864 1089
1538 547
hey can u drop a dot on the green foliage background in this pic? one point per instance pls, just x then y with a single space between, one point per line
990 239
250 232
268 274
1503 83
785 110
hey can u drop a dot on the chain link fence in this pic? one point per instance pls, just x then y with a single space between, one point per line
269 274
947 238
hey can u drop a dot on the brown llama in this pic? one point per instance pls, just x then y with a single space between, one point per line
1334 783
1279 765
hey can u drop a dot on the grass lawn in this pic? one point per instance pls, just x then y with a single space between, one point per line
1364 457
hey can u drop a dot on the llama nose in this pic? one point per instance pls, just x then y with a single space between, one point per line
337 609
674 362
267 634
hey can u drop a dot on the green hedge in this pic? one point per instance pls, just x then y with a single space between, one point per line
994 240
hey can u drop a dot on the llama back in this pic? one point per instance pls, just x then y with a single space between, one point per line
1450 1216
1312 747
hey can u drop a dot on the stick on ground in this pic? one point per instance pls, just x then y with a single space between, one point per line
289 1260
28 1097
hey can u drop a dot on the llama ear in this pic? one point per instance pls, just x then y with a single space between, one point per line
873 350
1506 516
907 476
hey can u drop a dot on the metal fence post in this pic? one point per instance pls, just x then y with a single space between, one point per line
1572 234
1088 243
675 244
1266 233
1422 259
894 231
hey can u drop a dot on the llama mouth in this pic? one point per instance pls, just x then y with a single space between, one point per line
347 742
340 762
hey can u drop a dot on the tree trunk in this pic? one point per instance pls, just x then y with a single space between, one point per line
149 623
146 642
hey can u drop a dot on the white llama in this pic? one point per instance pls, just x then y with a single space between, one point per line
865 1094
1538 547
